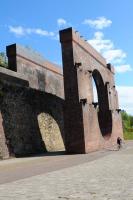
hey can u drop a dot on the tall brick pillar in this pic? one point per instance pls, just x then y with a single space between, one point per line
73 111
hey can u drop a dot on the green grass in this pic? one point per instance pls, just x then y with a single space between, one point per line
127 121
128 135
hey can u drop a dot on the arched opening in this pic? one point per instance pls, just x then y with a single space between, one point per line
102 105
95 95
50 132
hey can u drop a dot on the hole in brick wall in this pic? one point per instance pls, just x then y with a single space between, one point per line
50 132
103 112
95 96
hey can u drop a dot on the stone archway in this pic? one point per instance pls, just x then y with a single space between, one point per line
86 129
103 112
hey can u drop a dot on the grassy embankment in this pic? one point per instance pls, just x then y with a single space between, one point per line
127 126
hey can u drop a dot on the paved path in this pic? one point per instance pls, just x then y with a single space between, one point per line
20 168
105 175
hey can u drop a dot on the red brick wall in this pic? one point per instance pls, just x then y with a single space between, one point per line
84 131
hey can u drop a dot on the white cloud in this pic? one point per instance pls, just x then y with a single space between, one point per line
107 48
21 31
114 55
125 94
17 30
123 68
99 43
99 23
56 37
61 22
42 32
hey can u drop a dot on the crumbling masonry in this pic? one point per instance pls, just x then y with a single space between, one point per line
44 109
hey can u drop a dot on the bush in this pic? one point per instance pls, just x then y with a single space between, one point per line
3 60
127 121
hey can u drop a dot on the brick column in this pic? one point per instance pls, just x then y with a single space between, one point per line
73 116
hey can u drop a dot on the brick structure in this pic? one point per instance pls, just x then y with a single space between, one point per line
30 88
89 125
33 89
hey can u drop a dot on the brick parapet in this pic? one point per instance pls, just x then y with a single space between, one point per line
70 34
13 77
15 50
42 74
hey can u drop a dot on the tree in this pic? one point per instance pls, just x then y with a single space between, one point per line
3 60
127 121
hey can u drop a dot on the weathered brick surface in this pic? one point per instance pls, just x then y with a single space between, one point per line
33 109
41 74
20 108
89 128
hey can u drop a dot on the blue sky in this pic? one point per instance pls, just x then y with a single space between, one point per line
107 25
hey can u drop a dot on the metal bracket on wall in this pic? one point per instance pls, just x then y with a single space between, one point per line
83 101
95 104
118 110
107 83
109 66
77 65
90 73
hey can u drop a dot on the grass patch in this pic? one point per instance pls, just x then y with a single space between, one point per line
127 122
128 135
